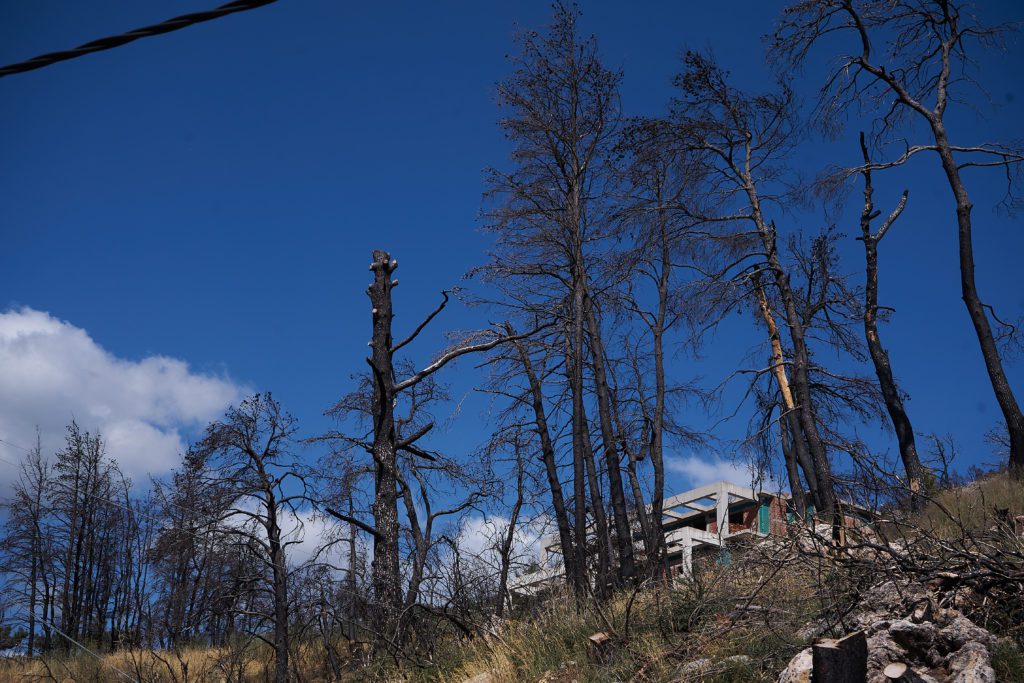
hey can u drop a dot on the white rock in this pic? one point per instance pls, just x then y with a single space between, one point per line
799 669
971 664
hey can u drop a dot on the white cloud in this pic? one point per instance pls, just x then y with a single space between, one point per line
479 538
306 533
699 471
146 410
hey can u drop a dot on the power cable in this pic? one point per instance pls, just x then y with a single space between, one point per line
99 658
144 32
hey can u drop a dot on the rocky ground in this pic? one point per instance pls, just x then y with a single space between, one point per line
912 638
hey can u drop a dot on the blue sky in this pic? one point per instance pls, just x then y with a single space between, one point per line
212 195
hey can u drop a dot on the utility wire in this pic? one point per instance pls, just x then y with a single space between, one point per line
99 658
144 32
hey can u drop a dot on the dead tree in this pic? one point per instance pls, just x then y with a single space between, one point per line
386 441
247 453
741 139
26 543
909 56
879 356
551 219
794 447
661 177
507 541
435 487
534 398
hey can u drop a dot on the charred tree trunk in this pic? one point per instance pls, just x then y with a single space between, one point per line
794 448
620 514
975 308
579 431
656 547
386 577
638 503
634 455
823 490
603 538
796 487
508 542
879 356
280 588
547 451
352 580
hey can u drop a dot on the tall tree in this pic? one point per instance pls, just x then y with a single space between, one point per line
662 178
390 382
879 356
552 217
743 139
26 544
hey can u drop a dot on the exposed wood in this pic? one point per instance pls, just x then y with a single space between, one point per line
895 671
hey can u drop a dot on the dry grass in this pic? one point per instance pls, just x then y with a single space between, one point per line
746 611
978 505
189 664
250 662
654 633
745 620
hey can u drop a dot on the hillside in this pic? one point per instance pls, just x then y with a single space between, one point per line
913 584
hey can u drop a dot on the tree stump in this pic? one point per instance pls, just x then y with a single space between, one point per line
841 661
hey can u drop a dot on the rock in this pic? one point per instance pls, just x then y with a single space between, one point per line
692 671
484 677
799 668
923 612
812 630
883 651
905 626
961 630
885 602
920 640
971 664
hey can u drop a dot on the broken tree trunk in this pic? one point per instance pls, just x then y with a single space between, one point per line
386 575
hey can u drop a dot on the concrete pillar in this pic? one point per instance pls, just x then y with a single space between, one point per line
722 511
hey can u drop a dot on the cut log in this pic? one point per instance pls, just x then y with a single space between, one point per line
895 671
840 661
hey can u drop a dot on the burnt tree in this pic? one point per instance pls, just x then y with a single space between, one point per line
879 356
386 442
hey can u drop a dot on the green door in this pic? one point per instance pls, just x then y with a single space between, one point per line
764 518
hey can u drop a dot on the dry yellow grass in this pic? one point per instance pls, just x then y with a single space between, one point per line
190 664
666 628
978 505
251 663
